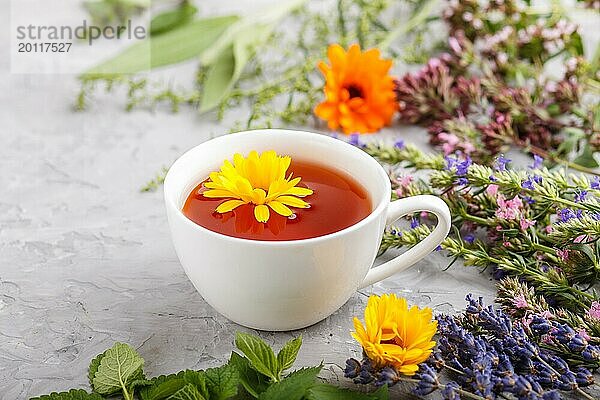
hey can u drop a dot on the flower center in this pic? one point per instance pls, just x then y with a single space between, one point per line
354 91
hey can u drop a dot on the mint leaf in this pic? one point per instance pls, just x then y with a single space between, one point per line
324 391
73 394
253 381
287 355
164 386
119 366
292 387
222 382
382 393
259 354
188 392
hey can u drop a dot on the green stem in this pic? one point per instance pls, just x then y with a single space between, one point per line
417 19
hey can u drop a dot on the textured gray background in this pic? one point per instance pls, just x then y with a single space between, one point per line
86 259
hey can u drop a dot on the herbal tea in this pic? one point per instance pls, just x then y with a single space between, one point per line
335 201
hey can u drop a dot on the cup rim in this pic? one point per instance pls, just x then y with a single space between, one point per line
380 208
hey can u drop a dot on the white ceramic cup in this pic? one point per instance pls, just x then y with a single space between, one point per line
285 285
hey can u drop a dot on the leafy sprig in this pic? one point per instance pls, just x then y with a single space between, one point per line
256 372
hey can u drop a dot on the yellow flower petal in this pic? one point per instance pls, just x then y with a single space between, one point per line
228 206
261 213
280 208
293 201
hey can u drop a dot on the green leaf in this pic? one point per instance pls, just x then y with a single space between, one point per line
324 391
93 368
222 382
253 381
120 366
172 47
167 385
293 387
586 158
230 54
259 354
172 19
188 392
287 355
73 394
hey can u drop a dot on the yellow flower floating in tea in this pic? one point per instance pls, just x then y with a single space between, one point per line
260 180
396 335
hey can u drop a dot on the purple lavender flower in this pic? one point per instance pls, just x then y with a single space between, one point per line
527 184
355 140
450 391
566 214
580 196
537 162
595 184
399 144
501 162
428 381
414 223
469 238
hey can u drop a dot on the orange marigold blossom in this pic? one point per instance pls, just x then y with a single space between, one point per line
359 92
394 334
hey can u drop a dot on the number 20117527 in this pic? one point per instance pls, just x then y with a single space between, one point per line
42 47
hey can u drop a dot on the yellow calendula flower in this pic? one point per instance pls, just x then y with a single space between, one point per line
260 180
394 334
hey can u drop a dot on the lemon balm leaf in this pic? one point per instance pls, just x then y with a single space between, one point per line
253 381
118 368
287 355
188 392
293 387
261 356
222 382
172 19
73 394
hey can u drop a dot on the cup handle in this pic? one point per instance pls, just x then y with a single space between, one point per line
400 208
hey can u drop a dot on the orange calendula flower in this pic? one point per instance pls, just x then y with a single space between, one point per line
359 92
260 180
396 335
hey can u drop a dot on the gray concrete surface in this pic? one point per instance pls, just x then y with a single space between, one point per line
86 259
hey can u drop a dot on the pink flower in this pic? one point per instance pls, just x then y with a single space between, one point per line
492 190
450 141
509 209
506 243
520 301
583 333
563 254
580 239
549 229
526 223
399 192
594 311
406 180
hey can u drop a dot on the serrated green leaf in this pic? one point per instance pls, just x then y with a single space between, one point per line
324 391
293 387
253 381
166 385
172 19
93 368
73 394
260 355
222 382
287 355
120 366
172 47
188 392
